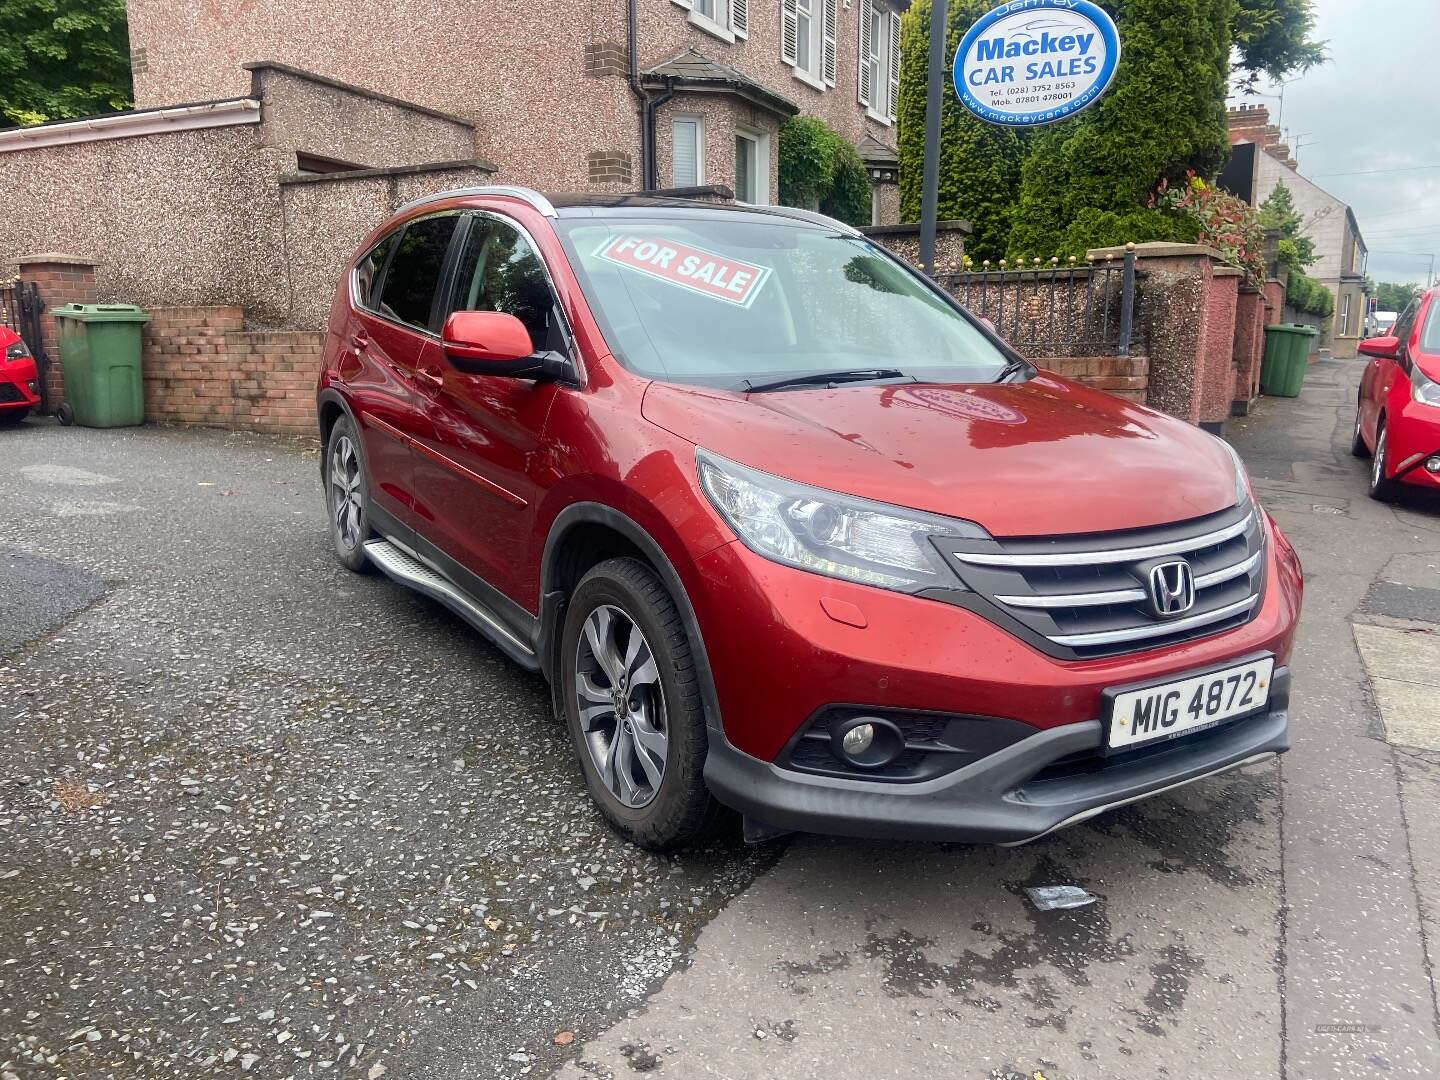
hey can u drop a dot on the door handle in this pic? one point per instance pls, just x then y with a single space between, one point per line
360 341
431 376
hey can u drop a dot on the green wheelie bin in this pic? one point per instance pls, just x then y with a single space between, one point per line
1287 354
100 356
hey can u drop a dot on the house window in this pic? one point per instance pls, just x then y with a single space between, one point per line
807 40
752 167
725 19
687 153
1345 315
879 76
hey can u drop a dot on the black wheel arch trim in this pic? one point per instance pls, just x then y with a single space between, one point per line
331 396
552 603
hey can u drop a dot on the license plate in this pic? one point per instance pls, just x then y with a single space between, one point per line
1186 705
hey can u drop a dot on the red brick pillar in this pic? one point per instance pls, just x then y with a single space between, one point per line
1249 347
60 279
1217 366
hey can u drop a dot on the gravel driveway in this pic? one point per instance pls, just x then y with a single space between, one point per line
259 815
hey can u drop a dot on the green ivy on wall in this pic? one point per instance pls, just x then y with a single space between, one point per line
819 169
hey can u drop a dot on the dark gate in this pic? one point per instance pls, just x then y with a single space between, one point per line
20 310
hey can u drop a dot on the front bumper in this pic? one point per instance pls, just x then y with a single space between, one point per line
1001 798
1413 432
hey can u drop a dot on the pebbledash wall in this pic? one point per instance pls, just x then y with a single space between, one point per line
545 82
208 204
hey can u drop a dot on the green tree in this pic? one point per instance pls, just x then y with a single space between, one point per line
1272 38
1163 117
1297 250
62 58
1395 295
979 162
820 169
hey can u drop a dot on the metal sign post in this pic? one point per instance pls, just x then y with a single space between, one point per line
934 100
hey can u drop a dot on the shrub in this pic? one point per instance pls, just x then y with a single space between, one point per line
1304 293
820 169
1222 221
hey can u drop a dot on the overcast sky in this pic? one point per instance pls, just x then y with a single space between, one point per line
1374 106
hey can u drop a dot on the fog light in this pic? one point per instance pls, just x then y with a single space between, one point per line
1432 464
867 742
858 739
33 387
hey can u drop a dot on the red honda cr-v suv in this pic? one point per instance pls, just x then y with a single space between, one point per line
787 529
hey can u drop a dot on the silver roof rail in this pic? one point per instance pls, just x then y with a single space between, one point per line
524 194
809 215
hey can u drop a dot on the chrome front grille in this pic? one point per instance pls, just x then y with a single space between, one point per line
1087 595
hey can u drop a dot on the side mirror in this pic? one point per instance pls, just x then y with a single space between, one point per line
487 343
1386 348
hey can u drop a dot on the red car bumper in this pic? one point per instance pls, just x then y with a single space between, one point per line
19 385
934 658
1413 431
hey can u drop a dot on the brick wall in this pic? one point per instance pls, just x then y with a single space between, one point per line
61 279
202 367
1124 376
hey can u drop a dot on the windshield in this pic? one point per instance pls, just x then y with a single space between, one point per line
729 301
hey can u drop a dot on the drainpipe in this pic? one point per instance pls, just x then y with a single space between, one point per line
649 106
647 119
652 106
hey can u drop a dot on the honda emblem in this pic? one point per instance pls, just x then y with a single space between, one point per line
1172 588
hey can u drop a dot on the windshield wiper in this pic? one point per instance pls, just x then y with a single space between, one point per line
1014 367
825 378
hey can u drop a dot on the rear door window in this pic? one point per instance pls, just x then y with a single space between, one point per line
369 269
407 293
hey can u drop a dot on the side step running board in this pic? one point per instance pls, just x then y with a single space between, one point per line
403 567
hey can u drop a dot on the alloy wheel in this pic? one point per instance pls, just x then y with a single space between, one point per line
1377 466
621 706
345 492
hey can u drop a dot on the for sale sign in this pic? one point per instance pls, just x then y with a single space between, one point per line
705 272
1030 62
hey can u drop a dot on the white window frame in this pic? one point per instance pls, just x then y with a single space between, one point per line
729 23
879 76
822 17
1344 314
761 170
699 122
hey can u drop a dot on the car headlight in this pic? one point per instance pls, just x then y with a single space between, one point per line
829 533
1423 389
16 350
1244 492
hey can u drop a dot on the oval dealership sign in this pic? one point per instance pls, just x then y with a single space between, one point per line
1030 62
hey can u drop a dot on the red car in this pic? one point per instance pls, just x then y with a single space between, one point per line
1397 417
789 531
19 379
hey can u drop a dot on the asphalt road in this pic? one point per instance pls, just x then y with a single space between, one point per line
261 816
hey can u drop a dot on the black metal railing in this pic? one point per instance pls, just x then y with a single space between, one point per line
20 310
1060 309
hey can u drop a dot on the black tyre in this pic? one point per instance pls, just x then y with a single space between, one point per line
347 496
1357 440
632 703
1381 486
65 414
13 416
